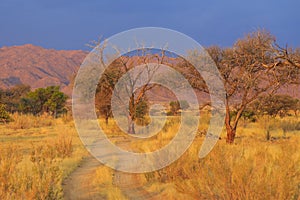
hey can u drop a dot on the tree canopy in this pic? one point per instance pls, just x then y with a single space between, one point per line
44 100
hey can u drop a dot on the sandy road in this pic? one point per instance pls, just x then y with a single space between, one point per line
79 186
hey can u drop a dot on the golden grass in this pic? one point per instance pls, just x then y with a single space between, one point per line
35 158
251 168
241 171
36 155
20 121
103 179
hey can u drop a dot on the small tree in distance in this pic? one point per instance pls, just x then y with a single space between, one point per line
44 100
175 106
11 97
275 105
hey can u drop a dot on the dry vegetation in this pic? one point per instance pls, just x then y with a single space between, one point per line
103 179
37 153
35 159
251 168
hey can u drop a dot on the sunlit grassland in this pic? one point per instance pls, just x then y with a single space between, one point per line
252 168
37 153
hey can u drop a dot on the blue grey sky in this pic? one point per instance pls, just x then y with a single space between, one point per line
71 24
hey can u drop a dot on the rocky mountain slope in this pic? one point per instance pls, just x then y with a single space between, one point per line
38 67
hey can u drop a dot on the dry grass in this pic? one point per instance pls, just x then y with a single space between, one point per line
20 121
30 177
251 168
103 179
34 161
36 156
241 171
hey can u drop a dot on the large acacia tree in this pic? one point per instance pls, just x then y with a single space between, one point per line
250 69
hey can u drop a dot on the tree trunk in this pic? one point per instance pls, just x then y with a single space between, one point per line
229 129
268 135
230 135
106 119
131 129
131 115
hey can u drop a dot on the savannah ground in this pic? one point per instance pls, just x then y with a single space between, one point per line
39 155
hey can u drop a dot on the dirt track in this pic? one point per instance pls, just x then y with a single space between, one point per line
79 184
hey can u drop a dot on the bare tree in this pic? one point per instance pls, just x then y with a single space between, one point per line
121 67
136 92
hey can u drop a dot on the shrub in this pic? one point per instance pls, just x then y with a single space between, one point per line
4 116
49 100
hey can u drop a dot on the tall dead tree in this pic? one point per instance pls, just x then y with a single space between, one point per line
149 64
121 66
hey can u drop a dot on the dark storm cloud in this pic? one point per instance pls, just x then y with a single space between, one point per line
66 24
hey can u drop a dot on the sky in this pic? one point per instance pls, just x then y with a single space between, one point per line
71 24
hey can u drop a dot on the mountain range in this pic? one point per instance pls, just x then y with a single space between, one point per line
39 67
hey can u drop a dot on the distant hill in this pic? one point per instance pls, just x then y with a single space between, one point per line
37 66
